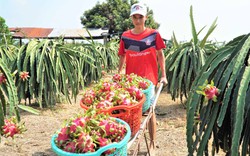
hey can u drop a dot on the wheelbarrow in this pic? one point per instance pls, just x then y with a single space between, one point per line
148 124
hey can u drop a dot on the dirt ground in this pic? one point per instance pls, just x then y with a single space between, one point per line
171 129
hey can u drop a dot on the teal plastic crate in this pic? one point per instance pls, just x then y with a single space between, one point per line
149 93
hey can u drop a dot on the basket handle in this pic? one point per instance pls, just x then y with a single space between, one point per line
122 111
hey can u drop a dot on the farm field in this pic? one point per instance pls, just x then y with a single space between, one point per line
171 126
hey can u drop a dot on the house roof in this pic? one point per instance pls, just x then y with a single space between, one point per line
29 32
25 32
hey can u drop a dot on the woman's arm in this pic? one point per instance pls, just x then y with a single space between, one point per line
121 63
161 62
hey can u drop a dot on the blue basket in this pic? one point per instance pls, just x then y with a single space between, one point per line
121 147
149 92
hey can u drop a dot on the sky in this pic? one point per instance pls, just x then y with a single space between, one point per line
172 15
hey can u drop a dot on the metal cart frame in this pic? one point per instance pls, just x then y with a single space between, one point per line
148 124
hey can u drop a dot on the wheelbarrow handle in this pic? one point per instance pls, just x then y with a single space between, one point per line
159 88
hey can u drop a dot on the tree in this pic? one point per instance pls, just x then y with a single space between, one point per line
4 32
113 15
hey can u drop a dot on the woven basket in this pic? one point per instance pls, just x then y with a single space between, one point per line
130 114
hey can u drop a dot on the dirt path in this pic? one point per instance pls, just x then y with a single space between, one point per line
171 125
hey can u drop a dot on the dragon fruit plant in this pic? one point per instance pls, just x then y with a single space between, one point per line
89 132
224 120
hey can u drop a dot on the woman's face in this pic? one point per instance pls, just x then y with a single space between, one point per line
138 20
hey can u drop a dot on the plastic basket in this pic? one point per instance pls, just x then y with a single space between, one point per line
149 93
130 114
121 147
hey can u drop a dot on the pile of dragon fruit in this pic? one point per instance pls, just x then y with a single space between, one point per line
89 132
122 89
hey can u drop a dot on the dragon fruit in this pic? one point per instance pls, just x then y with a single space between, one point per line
103 142
134 91
63 136
11 127
70 147
126 102
110 95
117 77
106 86
2 78
80 121
143 85
85 143
129 78
88 97
104 104
108 127
209 91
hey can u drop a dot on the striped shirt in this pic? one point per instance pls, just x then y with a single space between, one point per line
140 50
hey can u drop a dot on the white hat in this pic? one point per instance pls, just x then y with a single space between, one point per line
138 8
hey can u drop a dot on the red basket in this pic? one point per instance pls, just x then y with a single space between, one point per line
130 114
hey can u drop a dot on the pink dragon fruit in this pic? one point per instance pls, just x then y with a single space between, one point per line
126 102
87 100
106 86
10 129
85 143
143 85
63 136
104 104
80 121
88 97
117 77
116 85
70 147
103 142
110 95
129 78
2 78
134 91
108 126
209 91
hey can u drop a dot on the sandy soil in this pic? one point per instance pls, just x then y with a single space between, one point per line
171 126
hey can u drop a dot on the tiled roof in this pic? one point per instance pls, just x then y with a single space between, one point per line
25 32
